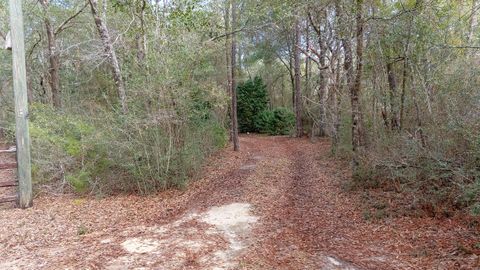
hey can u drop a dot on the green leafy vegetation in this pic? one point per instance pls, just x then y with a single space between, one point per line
279 121
253 112
252 100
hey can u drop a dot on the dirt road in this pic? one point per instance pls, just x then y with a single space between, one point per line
277 204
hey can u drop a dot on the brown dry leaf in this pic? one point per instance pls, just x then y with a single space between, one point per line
306 221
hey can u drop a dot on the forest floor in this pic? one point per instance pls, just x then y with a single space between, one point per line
276 204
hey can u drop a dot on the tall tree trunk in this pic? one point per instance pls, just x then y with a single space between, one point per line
336 100
291 70
404 74
337 84
236 144
402 96
355 91
308 92
239 58
392 83
140 37
322 91
228 52
322 88
298 93
53 58
110 51
307 60
417 113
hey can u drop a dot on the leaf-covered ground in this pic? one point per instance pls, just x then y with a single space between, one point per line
277 204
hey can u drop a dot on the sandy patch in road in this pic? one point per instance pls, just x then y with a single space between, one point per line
208 240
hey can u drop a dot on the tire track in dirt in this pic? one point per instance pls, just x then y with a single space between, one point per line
286 238
311 211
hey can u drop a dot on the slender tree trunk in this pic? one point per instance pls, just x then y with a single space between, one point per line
336 100
404 74
110 51
54 68
307 60
417 113
322 88
236 144
392 83
228 52
322 91
337 84
53 58
355 91
384 110
298 93
404 85
140 37
239 58
308 92
292 79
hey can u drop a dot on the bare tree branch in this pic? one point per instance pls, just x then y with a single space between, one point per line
64 24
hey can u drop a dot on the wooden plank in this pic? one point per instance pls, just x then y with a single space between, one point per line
8 184
6 166
21 105
9 150
8 199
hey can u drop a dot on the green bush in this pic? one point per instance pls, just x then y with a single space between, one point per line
252 100
64 146
435 178
253 112
279 121
264 122
80 180
107 152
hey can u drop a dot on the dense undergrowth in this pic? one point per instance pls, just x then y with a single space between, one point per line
254 114
432 169
107 153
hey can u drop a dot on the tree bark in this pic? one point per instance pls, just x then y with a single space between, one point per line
417 113
322 88
336 100
228 53
307 60
322 93
236 144
392 84
404 74
402 96
140 37
336 116
110 52
355 91
298 93
53 58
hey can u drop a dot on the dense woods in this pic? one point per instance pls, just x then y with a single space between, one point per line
132 95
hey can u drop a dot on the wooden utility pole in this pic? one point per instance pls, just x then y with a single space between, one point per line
21 105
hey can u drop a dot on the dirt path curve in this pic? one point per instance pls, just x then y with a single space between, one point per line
277 204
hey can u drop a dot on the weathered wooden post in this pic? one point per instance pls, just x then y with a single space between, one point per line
21 105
